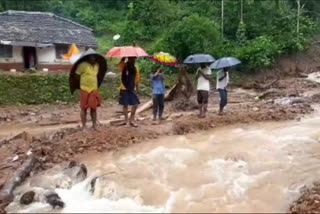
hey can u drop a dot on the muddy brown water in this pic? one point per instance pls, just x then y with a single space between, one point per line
253 168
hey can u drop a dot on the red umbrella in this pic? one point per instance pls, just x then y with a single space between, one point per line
126 51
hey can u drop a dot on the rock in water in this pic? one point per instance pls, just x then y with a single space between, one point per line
27 198
54 200
93 184
72 164
84 170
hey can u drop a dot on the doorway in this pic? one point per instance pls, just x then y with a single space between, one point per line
29 57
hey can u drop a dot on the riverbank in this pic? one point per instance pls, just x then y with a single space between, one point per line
290 98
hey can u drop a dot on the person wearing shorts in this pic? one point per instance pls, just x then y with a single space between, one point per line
89 94
203 88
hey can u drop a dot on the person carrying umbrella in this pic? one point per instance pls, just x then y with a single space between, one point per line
203 76
222 84
158 91
89 94
87 75
130 79
157 78
203 88
223 64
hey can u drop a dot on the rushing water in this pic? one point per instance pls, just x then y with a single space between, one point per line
243 168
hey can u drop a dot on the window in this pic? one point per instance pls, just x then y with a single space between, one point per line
5 51
60 50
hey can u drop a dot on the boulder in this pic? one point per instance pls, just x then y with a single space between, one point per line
54 199
27 198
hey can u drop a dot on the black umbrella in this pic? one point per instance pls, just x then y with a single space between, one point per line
74 79
199 58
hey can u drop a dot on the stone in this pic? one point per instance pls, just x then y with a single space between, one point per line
93 184
27 198
84 170
54 200
72 164
255 109
15 158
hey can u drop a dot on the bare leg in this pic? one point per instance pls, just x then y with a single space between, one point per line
125 112
205 109
83 116
132 116
93 114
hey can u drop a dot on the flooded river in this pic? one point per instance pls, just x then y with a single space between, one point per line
242 168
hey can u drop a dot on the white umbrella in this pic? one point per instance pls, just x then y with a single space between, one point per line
225 62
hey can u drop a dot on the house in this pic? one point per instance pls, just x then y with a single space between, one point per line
38 39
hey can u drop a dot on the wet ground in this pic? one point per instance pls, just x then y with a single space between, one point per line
259 167
176 165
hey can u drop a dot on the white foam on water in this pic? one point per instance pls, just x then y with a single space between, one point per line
285 140
159 155
238 130
233 175
79 200
36 207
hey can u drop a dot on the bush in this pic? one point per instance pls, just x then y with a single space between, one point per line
50 88
194 34
258 53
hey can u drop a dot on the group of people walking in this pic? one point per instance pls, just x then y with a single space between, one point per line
88 69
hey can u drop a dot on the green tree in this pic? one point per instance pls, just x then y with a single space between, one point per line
194 34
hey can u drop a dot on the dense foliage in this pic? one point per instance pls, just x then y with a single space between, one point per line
33 88
253 30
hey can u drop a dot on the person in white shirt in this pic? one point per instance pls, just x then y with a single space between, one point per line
203 88
222 84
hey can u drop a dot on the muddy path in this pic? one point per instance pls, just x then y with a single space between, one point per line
56 138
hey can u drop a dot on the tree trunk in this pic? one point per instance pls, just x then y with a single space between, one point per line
278 4
241 15
167 97
222 18
6 193
298 17
182 88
